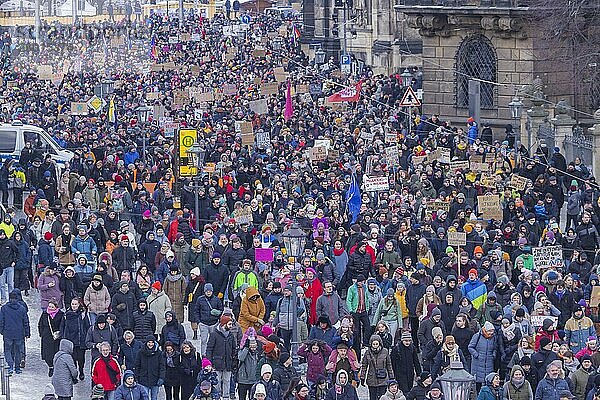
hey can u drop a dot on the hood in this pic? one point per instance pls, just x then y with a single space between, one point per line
516 368
251 292
66 346
375 337
337 376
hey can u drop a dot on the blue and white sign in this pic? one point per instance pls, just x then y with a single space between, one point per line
245 19
346 64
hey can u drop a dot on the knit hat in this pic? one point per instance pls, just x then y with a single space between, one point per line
205 385
260 388
49 389
146 214
195 242
473 271
488 326
284 357
195 271
224 320
208 287
436 331
98 392
526 360
449 339
545 341
406 336
436 311
268 348
478 250
266 368
206 362
48 236
124 238
97 277
156 285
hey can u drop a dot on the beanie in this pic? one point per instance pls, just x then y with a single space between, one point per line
224 320
156 285
545 341
48 236
206 362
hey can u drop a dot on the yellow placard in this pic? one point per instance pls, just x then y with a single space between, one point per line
187 137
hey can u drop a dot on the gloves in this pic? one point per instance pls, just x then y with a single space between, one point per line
160 382
220 295
121 306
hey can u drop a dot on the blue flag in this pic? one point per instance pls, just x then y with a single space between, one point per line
353 199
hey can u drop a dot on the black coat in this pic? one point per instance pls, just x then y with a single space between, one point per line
359 264
123 259
217 276
149 366
172 332
203 308
172 377
72 288
47 325
75 327
565 304
222 350
147 252
8 253
405 363
123 306
189 367
144 324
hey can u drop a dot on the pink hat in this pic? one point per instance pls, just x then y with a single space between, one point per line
147 214
266 330
206 362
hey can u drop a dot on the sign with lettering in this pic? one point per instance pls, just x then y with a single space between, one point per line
376 183
79 108
547 257
518 182
230 89
538 320
269 88
440 205
391 155
263 139
318 154
489 207
259 106
454 165
187 137
44 72
457 238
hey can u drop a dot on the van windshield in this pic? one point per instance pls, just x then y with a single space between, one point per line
8 141
39 141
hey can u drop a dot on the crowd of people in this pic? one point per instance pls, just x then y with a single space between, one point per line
381 296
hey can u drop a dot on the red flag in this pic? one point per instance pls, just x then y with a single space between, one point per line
351 93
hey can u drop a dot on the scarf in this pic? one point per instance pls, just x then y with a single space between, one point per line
112 374
169 358
517 382
465 309
509 332
486 334
52 313
173 278
338 252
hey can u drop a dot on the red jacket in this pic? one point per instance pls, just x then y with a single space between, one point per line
100 373
553 336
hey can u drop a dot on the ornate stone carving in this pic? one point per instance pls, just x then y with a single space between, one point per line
489 23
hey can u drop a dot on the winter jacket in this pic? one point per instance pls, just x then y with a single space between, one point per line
217 275
75 326
85 246
579 381
577 332
222 350
208 309
65 370
551 389
135 392
8 252
175 287
332 306
147 253
14 321
159 304
406 365
352 299
248 361
347 392
251 310
150 366
316 361
101 376
123 305
45 254
376 364
359 263
128 353
285 310
123 259
96 335
144 323
47 292
414 293
97 300
483 353
172 332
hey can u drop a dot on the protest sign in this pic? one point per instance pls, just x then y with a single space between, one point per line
315 88
263 139
366 135
595 296
376 183
243 215
44 72
547 257
391 137
229 89
269 88
79 108
170 127
152 96
323 142
318 154
391 155
488 180
538 320
440 205
57 79
454 165
259 53
419 159
489 207
444 155
159 112
457 238
280 74
301 89
476 158
259 106
246 128
333 155
263 255
480 166
518 182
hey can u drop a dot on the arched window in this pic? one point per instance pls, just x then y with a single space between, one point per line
476 58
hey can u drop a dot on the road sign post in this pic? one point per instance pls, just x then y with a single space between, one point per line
410 100
346 64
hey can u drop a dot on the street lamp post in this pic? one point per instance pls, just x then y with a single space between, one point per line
197 152
516 108
294 240
143 112
456 383
319 56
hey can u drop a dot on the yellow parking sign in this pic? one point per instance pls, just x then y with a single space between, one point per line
187 137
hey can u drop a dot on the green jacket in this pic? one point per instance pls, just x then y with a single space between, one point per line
352 298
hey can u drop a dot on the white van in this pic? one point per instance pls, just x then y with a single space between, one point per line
13 137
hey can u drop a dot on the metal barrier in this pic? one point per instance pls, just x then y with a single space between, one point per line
4 378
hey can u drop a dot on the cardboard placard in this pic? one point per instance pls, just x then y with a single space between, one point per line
547 257
259 106
301 89
79 108
595 296
518 182
476 158
44 72
333 155
230 89
489 207
488 180
246 128
269 88
457 238
480 166
259 53
247 139
391 137
152 96
318 154
159 112
280 74
463 165
376 183
243 215
443 155
538 320
99 58
210 168
440 205
117 41
416 160
57 79
203 97
392 156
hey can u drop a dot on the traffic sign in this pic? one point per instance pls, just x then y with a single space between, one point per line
410 99
187 137
96 103
346 64
245 19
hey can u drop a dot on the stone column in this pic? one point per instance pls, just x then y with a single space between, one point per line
563 128
536 116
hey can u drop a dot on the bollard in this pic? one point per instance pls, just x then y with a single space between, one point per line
2 375
7 387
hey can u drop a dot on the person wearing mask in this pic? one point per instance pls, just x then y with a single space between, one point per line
129 389
222 351
150 368
65 371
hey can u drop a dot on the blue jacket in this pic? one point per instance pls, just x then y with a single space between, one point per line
85 246
129 353
473 132
24 255
136 392
45 253
550 389
131 157
14 321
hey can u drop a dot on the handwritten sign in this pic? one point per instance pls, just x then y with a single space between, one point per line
376 183
489 207
518 182
263 139
391 155
454 165
538 320
547 257
440 205
269 88
457 238
259 106
318 154
44 72
229 89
